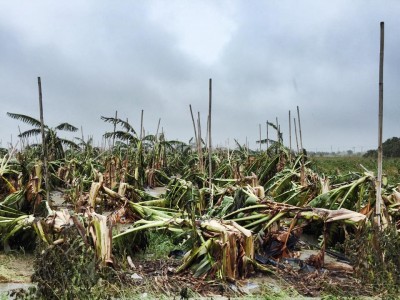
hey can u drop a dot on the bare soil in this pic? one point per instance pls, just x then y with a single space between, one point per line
15 272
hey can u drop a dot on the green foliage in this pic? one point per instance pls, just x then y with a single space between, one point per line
3 151
69 271
341 169
390 148
53 142
375 256
160 244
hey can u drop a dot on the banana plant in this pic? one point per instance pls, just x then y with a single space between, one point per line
11 223
5 170
53 142
354 195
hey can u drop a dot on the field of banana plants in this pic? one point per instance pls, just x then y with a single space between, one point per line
91 216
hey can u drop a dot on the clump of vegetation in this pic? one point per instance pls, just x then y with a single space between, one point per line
160 244
70 270
340 169
375 257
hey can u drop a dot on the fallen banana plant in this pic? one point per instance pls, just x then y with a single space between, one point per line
226 249
10 226
90 226
354 195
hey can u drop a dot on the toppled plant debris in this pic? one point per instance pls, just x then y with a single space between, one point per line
247 219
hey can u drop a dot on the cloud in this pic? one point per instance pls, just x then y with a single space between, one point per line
265 58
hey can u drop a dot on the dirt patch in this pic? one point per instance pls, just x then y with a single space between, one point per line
157 276
16 268
15 273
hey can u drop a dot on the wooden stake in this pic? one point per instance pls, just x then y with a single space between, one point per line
380 150
115 128
199 143
210 145
267 134
301 138
295 133
302 169
44 149
158 127
290 135
194 127
206 140
259 129
141 126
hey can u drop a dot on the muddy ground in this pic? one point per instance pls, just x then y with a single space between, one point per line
15 272
153 277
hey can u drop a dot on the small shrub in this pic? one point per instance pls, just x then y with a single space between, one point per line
70 271
376 261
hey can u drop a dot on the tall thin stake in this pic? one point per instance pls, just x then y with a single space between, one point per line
290 136
115 128
267 134
44 149
302 170
199 143
141 125
210 145
295 133
301 138
194 127
380 150
206 139
158 128
259 129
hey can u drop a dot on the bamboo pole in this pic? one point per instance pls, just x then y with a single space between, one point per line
206 139
259 129
301 138
290 136
141 125
194 128
210 145
199 143
267 134
158 128
302 170
115 127
380 150
44 148
295 133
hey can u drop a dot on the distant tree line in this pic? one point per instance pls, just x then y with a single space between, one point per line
391 148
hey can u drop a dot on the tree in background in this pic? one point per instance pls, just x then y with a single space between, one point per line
391 148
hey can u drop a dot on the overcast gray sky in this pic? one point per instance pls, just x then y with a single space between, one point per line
265 58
